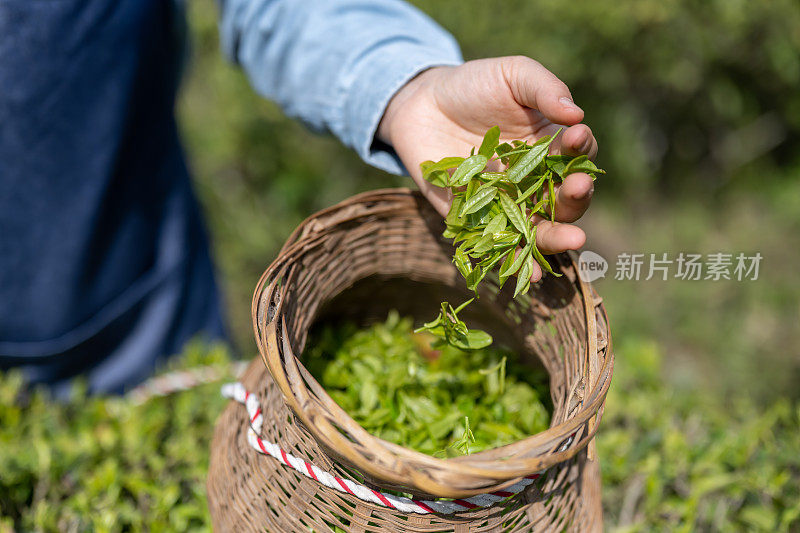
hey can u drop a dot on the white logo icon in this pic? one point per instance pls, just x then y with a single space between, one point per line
591 266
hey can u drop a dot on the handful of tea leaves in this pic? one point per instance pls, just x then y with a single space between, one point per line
491 212
491 215
443 402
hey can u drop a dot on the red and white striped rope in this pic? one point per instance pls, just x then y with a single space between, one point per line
237 392
181 380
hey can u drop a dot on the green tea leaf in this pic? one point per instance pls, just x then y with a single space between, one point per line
582 164
459 328
490 142
475 339
496 377
513 213
489 263
540 258
472 187
462 262
531 190
484 245
450 232
530 160
557 163
462 306
468 169
463 235
475 277
515 264
437 172
485 214
539 207
497 224
501 152
506 267
472 239
515 153
492 177
551 196
369 396
508 239
523 278
478 200
452 218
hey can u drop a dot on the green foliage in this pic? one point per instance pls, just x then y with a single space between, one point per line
441 401
670 461
103 464
683 461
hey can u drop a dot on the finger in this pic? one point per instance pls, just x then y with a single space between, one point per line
553 237
537 273
534 86
579 140
573 197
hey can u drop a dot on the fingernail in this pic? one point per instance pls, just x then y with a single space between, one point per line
567 102
587 194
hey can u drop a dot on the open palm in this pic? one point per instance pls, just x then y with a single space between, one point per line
445 111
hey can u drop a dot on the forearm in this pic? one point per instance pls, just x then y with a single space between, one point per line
335 64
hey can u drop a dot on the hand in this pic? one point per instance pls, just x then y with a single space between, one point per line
445 111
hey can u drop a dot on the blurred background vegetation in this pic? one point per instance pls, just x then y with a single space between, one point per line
696 107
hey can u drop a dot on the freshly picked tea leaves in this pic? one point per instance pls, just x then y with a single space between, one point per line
490 219
443 401
450 330
491 215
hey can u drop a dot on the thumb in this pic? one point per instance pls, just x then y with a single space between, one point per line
535 87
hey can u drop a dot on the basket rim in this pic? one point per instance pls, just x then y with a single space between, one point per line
491 469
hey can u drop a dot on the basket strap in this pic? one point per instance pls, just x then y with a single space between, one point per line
237 392
181 380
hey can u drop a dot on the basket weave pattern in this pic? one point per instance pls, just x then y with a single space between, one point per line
371 253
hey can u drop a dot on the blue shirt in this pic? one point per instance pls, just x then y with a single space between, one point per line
104 261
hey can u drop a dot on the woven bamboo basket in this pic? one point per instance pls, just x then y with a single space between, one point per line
374 252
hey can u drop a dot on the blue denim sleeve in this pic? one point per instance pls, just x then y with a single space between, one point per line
335 64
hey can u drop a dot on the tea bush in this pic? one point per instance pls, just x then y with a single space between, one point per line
104 464
670 461
686 461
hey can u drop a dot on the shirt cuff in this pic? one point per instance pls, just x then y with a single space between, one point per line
373 84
